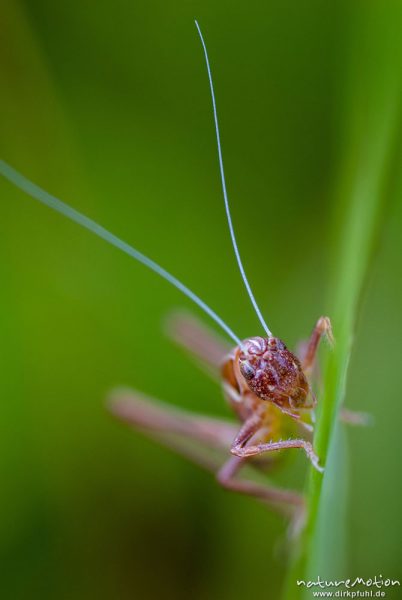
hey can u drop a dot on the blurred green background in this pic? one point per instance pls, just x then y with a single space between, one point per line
107 106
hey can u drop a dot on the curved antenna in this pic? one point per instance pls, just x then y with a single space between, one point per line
225 195
39 194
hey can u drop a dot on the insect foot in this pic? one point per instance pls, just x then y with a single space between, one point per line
325 328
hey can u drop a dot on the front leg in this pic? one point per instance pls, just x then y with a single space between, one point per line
251 428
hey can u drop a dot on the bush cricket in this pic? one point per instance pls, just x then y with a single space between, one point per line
267 386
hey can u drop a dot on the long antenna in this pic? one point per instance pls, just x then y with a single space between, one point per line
225 195
39 194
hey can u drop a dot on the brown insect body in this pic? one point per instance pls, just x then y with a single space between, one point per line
262 373
264 382
266 386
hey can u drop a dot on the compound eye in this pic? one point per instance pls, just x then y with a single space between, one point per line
247 370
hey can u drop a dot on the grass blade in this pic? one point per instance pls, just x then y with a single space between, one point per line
374 98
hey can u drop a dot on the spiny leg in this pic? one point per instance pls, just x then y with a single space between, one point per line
160 421
243 446
287 502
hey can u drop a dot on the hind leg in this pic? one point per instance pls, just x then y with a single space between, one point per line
179 430
285 501
143 412
206 346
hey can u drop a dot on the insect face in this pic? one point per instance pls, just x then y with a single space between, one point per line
272 372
